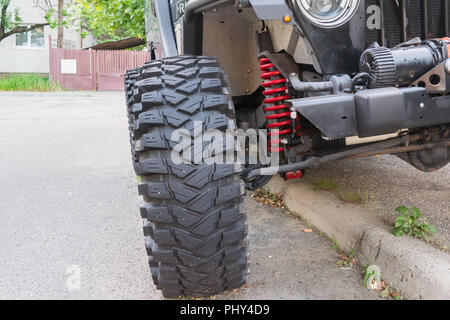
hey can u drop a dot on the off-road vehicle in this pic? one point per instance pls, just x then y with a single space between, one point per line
321 79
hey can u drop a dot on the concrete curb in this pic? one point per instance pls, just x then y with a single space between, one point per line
412 266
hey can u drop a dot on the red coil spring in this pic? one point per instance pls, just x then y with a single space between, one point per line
278 114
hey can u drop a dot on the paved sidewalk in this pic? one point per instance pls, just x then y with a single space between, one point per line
392 182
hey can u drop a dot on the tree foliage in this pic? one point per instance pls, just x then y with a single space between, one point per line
56 14
107 20
112 20
10 21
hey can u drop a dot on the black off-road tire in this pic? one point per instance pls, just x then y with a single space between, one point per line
130 81
195 234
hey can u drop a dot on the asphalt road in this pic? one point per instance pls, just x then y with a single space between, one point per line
70 226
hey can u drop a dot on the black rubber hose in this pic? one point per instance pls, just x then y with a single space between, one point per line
301 86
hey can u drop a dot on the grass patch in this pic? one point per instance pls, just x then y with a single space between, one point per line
347 196
27 83
326 185
346 261
355 197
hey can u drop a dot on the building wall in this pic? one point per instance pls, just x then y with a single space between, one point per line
14 59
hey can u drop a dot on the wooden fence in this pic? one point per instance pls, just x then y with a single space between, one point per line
93 69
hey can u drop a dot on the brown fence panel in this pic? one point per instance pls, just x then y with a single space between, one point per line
112 66
83 78
93 70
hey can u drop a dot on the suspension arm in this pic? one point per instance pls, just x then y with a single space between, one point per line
392 146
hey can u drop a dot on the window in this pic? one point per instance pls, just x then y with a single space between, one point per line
30 39
67 44
22 39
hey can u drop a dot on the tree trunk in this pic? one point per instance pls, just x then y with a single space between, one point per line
60 25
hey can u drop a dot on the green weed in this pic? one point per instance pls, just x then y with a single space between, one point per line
408 223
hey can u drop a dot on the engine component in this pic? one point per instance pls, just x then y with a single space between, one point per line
437 80
278 114
404 64
447 65
379 63
337 84
320 144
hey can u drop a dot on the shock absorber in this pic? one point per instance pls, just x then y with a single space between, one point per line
277 113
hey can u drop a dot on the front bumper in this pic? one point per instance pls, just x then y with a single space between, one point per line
373 112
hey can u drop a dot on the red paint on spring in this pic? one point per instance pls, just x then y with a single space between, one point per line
277 112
